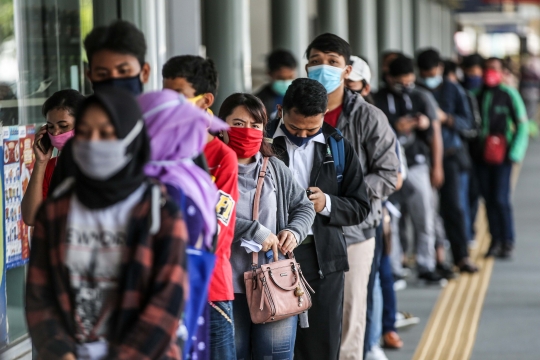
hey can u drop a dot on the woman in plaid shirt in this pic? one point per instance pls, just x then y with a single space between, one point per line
107 267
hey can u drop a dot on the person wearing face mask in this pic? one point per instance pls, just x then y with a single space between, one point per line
281 66
504 135
285 218
368 131
406 112
59 110
116 57
360 78
107 262
456 117
197 79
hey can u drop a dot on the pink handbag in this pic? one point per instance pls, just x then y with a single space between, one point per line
277 290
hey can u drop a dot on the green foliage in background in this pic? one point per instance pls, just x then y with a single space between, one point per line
7 23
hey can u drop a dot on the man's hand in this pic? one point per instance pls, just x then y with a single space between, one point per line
437 177
271 243
287 241
442 116
423 122
317 198
69 356
405 124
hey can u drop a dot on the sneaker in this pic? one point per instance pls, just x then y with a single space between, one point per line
494 250
506 251
466 266
445 271
405 319
376 353
391 340
400 285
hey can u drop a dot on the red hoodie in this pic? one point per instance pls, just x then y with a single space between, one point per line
223 165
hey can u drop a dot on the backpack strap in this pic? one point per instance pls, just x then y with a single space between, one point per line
337 147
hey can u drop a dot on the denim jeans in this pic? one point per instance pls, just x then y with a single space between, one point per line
495 188
388 295
376 323
370 316
274 340
222 332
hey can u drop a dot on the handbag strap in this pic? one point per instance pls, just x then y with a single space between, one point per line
256 202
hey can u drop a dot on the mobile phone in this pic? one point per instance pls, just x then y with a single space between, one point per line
308 193
45 143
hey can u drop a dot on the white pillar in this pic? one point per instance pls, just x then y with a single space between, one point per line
422 23
436 22
184 28
389 25
407 28
333 17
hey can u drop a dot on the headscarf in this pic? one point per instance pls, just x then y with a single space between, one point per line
124 113
178 132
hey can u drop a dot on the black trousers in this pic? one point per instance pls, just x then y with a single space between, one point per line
452 210
322 340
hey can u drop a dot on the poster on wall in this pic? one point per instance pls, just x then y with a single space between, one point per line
3 299
12 197
27 136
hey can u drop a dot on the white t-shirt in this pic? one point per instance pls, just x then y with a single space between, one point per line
95 244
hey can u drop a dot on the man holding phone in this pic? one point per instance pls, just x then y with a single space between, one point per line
406 111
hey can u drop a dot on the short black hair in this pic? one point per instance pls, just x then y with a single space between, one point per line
331 43
279 59
308 96
200 72
386 54
120 37
401 65
428 59
68 100
450 67
472 60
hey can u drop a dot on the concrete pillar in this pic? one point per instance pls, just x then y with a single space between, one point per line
333 17
422 23
435 26
290 28
389 26
447 33
104 12
227 43
363 34
407 28
184 28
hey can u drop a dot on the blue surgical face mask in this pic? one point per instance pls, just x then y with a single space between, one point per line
280 86
472 82
328 76
297 140
433 82
132 84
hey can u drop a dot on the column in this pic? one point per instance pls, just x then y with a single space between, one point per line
227 43
333 17
435 26
184 28
389 26
447 33
290 28
407 32
421 24
363 34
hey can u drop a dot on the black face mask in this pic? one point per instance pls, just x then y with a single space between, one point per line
132 84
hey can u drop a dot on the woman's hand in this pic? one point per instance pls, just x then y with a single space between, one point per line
271 243
287 241
69 356
41 157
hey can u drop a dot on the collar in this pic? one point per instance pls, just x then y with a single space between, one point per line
279 133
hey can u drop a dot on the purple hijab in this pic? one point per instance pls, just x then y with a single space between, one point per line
178 132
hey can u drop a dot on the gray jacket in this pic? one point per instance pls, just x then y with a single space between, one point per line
368 130
294 213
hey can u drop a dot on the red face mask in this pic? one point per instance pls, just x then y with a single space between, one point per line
245 142
492 78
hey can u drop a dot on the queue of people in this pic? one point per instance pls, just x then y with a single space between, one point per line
158 222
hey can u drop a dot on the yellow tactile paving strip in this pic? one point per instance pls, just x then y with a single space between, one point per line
451 330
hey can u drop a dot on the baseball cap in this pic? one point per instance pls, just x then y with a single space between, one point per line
360 70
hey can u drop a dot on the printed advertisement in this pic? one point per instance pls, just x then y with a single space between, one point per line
12 198
3 303
27 136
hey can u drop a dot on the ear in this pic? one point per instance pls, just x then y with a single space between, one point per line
279 111
347 71
208 99
145 73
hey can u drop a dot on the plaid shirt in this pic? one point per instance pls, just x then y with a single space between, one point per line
151 290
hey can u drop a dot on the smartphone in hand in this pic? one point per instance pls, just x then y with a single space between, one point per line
44 144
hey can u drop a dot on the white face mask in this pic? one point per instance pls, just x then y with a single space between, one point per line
101 160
